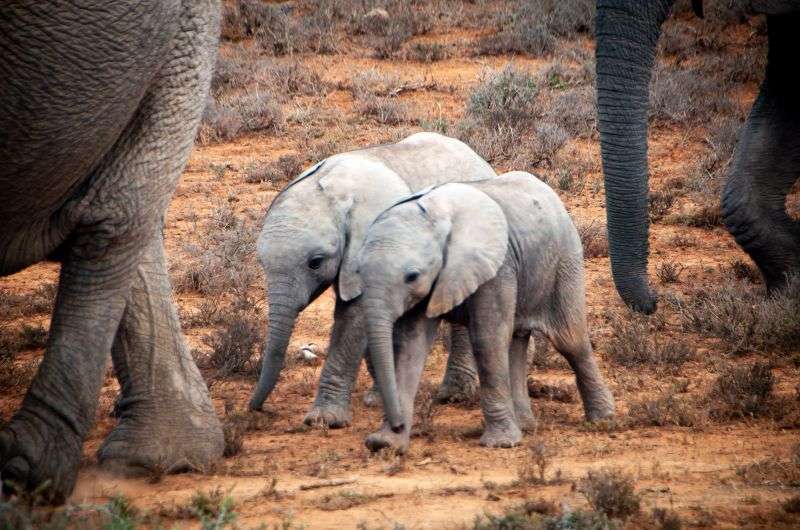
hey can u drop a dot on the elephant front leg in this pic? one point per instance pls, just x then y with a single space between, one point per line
491 311
41 446
348 343
166 419
414 335
767 164
460 382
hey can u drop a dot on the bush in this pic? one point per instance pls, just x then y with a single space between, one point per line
636 346
669 271
610 492
427 52
235 343
277 172
667 409
742 392
507 97
533 27
593 238
740 315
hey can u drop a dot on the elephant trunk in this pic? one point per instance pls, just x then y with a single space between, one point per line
282 315
379 336
627 34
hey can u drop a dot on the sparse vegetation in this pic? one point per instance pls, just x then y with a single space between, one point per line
740 315
610 492
743 392
673 407
594 239
635 345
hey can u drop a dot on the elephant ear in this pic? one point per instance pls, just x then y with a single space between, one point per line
360 189
475 246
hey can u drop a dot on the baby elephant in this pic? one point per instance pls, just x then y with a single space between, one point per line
501 257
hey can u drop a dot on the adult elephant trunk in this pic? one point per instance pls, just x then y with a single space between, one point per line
381 348
283 311
627 34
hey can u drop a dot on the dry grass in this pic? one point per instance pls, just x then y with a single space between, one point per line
674 407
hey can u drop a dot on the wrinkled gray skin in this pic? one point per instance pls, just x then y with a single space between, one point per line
766 162
310 238
501 257
99 106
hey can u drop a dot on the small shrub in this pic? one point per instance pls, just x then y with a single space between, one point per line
504 97
635 345
532 469
667 409
742 392
233 346
427 52
539 390
667 519
743 270
259 110
533 27
742 317
611 492
277 172
594 239
660 204
773 471
386 110
574 110
669 271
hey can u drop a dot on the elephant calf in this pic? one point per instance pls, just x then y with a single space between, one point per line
501 257
311 235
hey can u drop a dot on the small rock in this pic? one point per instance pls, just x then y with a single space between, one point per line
309 353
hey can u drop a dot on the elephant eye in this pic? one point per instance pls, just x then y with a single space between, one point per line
315 262
411 277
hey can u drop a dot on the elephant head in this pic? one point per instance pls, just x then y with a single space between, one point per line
312 229
627 34
437 247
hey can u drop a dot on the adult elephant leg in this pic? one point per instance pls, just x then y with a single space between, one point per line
460 382
414 336
41 446
767 163
347 346
155 369
114 218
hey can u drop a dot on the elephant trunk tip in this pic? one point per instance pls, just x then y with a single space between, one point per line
640 298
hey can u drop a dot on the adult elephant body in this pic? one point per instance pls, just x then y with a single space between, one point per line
314 229
765 166
99 107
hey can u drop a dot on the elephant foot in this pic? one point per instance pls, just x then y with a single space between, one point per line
458 388
504 435
526 421
328 415
372 398
387 439
151 443
600 407
35 457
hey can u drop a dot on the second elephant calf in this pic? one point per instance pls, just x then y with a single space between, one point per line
501 257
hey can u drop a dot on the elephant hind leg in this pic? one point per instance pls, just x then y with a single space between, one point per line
568 332
767 164
518 372
167 422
